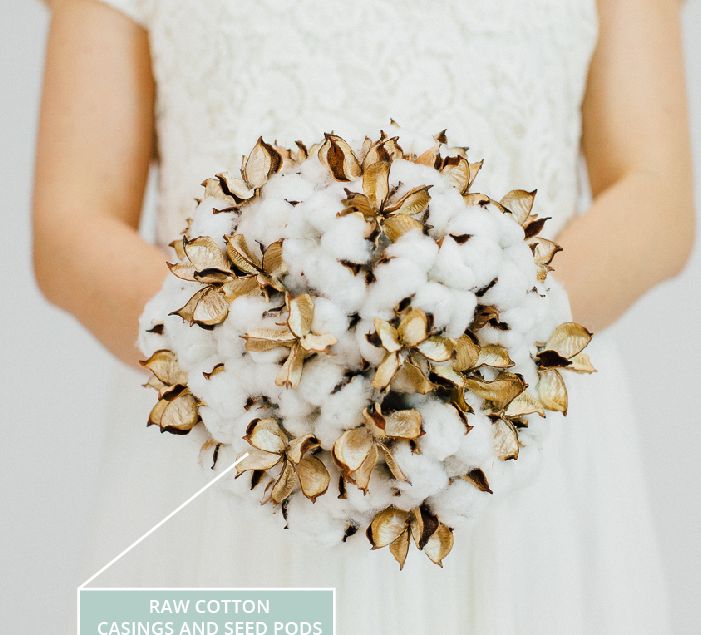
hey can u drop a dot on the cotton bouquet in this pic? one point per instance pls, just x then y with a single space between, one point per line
382 340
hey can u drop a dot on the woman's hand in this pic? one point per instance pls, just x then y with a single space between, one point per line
95 144
640 228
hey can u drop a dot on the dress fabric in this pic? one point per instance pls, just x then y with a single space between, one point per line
574 551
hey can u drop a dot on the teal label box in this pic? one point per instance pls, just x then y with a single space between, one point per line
206 611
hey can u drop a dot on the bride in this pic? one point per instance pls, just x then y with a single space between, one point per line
533 86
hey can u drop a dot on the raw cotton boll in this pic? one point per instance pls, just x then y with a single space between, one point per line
406 172
320 377
445 205
261 379
476 447
524 365
436 299
299 426
449 268
293 405
198 376
330 278
520 318
510 232
191 344
395 280
346 348
416 247
345 240
342 310
455 467
264 221
320 209
510 288
383 495
276 356
427 477
343 408
313 171
444 429
464 304
459 504
295 252
313 526
207 223
291 187
245 313
223 430
173 294
474 221
484 257
223 391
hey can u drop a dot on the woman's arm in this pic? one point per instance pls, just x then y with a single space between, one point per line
640 228
94 149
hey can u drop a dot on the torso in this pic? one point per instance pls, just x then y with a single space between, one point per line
505 77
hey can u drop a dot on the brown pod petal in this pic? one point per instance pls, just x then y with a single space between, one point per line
414 202
352 448
285 483
376 183
439 544
164 365
300 446
479 479
403 424
313 477
552 391
568 339
340 159
500 392
301 314
361 476
290 373
262 162
399 548
387 526
395 227
392 464
494 356
385 371
505 438
519 203
413 327
205 254
239 253
266 434
258 460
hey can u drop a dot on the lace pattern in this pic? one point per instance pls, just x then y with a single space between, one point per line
506 77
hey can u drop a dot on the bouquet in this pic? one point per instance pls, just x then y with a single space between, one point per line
380 338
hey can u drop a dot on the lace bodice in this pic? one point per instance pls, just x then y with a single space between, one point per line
505 77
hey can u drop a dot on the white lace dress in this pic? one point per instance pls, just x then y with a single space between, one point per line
572 553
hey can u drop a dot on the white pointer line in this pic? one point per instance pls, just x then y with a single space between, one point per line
137 542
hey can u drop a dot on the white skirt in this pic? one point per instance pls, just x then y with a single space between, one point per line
573 552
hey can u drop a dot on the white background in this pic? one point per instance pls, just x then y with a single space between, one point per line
54 377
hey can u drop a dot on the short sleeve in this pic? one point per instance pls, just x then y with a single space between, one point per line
138 10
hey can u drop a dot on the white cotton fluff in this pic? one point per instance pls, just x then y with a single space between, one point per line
444 429
464 260
205 222
459 504
426 475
